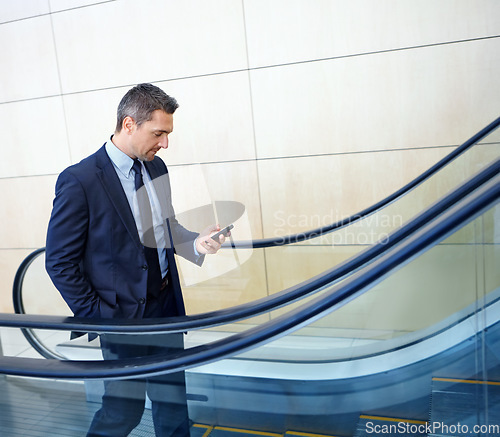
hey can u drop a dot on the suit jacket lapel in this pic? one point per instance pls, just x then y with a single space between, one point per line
113 187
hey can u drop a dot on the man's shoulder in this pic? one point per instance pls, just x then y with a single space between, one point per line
88 166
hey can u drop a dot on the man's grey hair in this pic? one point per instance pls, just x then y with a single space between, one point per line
141 101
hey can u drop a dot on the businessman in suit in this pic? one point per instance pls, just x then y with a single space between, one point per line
110 251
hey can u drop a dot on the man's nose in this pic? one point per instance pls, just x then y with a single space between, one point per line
164 142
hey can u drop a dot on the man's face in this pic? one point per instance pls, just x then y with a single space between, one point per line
150 136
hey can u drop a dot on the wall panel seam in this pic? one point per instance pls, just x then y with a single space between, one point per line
55 12
271 158
258 68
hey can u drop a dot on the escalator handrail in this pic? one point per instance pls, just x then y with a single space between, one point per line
470 207
18 302
244 311
306 235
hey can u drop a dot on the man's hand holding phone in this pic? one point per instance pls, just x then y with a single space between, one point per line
211 239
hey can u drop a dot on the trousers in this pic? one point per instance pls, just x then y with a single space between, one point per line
123 400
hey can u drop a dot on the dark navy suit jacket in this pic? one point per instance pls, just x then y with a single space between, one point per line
93 252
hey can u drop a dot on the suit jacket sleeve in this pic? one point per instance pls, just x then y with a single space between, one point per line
65 246
184 242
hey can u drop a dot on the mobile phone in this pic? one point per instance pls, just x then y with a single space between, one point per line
224 232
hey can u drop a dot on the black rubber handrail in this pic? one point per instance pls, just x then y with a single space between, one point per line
461 213
277 299
306 235
245 311
18 302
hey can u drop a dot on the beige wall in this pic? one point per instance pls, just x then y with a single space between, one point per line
300 110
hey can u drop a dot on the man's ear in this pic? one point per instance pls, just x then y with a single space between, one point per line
128 125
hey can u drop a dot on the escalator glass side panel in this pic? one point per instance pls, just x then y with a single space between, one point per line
444 287
243 275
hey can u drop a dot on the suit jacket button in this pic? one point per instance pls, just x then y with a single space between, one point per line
144 267
142 301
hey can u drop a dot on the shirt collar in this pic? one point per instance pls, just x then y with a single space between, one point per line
121 160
